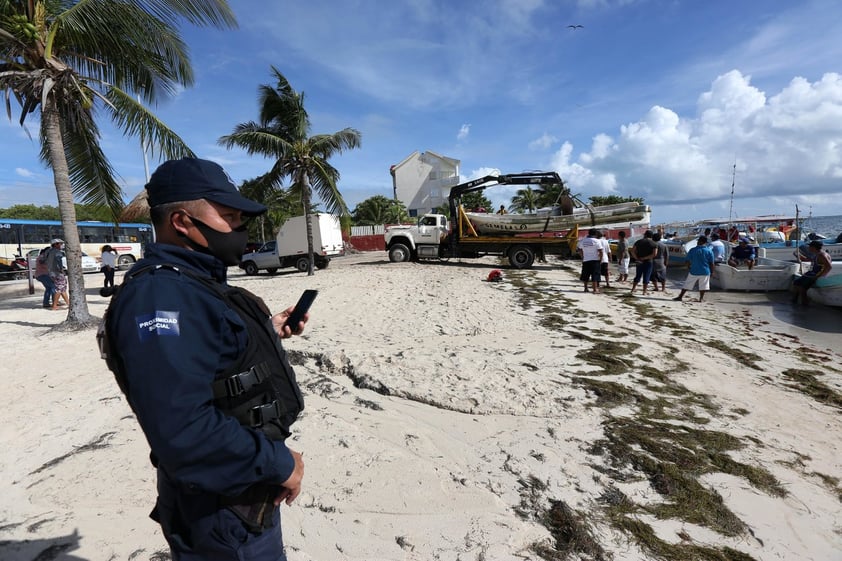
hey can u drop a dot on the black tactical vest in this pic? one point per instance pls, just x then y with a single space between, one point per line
259 389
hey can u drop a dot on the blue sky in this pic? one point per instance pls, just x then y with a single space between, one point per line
650 98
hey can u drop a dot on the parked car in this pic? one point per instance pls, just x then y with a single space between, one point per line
89 264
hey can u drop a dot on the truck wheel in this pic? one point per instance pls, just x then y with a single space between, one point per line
303 264
272 270
250 267
399 253
322 263
521 257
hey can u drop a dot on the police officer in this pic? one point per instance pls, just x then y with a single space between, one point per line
204 371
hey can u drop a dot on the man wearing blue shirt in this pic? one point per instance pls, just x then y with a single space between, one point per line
203 369
700 261
742 254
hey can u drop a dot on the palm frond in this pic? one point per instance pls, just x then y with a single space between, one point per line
135 120
91 174
256 141
119 43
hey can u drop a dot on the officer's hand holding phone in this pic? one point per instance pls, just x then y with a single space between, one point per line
291 321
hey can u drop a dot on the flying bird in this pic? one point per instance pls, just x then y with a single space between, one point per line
575 27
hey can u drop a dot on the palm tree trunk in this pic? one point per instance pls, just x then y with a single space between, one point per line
77 314
305 195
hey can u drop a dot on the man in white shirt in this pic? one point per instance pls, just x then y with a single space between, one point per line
718 249
590 249
606 257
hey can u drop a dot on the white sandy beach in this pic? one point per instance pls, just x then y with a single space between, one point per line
446 417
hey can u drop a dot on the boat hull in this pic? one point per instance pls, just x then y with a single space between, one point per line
767 275
603 216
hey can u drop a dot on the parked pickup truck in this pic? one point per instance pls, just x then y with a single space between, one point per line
289 249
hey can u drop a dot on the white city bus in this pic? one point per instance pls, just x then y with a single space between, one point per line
19 236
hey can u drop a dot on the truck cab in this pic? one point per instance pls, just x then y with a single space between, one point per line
405 243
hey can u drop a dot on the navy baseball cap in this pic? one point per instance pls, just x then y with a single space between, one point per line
190 179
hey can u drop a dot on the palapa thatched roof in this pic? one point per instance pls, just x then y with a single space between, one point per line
137 209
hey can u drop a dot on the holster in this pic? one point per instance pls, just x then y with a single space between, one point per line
254 506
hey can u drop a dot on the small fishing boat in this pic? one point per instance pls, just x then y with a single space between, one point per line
785 251
766 275
618 215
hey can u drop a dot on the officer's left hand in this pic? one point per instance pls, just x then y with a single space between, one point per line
284 332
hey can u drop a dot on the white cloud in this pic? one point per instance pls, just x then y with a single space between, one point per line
786 145
463 133
480 172
23 172
544 142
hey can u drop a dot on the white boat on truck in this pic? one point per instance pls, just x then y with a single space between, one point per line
289 249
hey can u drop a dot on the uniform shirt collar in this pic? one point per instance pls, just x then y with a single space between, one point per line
182 257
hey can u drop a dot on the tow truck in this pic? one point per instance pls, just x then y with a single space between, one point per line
436 237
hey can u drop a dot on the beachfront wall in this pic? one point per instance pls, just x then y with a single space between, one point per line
374 242
367 238
422 181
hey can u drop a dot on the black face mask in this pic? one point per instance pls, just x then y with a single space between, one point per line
228 247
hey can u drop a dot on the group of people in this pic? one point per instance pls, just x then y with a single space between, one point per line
595 252
50 271
652 258
649 252
703 259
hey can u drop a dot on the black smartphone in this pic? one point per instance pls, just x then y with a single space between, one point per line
300 309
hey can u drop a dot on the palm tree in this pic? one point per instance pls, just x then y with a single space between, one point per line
282 133
70 58
525 200
379 210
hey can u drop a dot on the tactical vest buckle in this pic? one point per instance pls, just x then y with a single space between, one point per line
239 384
264 413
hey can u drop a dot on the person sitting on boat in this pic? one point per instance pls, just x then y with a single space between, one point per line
821 266
502 210
718 249
743 254
734 233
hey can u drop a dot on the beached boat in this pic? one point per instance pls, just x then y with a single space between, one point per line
606 216
678 248
785 251
767 275
828 289
775 236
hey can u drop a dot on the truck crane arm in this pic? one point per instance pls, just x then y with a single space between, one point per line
526 178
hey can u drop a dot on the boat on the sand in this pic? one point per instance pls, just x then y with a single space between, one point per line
766 275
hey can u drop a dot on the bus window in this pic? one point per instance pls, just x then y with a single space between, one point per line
37 234
94 234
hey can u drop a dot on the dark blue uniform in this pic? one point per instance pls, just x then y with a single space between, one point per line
174 336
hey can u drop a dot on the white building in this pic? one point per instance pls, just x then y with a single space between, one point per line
422 181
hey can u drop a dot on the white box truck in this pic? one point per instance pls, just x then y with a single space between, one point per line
289 249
